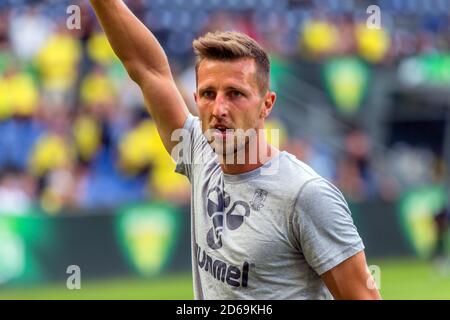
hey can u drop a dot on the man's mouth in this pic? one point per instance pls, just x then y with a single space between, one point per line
221 128
221 131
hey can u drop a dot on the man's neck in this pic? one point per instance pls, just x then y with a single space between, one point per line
268 152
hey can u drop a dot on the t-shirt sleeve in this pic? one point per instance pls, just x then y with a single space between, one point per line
189 149
323 226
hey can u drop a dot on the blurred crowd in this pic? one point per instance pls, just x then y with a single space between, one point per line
74 131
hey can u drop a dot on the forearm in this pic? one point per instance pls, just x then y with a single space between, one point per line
133 43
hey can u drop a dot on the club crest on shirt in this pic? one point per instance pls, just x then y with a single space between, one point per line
258 199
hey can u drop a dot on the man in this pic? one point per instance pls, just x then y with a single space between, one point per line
257 233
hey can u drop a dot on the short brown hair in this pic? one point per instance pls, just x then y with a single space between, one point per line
232 45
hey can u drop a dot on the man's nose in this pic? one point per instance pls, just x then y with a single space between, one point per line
220 107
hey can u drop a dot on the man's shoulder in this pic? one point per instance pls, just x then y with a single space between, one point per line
303 179
296 170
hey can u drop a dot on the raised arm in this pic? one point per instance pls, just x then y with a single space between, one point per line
146 63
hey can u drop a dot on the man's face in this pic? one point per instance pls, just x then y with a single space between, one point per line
229 101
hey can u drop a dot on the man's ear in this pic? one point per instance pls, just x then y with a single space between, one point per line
195 96
269 101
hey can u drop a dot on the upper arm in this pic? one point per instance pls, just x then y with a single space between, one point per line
330 241
351 279
326 232
165 104
146 63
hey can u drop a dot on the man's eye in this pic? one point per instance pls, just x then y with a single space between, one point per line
208 94
236 94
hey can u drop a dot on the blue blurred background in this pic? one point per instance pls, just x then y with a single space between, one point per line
84 178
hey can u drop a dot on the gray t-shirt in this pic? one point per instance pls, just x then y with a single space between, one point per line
265 234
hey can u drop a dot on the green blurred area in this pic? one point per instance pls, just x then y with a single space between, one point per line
410 279
400 279
178 286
